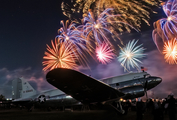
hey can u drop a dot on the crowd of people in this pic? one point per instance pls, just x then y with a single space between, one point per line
158 108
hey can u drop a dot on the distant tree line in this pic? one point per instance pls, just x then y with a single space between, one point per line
2 97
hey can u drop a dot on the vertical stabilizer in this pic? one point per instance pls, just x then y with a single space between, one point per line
21 89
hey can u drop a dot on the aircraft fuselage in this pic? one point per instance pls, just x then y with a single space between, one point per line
86 89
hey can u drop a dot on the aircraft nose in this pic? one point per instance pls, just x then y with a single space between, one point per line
153 81
159 80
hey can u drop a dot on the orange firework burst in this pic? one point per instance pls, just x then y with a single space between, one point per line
132 11
170 51
59 56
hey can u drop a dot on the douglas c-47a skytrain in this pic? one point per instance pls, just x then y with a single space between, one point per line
87 90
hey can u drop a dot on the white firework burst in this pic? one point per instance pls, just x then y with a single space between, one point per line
130 55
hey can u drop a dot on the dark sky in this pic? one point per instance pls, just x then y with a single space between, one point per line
26 26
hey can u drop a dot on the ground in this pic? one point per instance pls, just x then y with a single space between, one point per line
36 114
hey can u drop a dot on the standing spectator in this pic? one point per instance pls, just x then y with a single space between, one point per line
158 115
166 105
150 105
171 107
163 105
140 108
157 110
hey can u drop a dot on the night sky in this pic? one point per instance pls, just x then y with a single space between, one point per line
26 26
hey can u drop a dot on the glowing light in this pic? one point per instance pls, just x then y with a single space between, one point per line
130 55
169 18
96 26
170 51
104 53
59 56
67 38
132 11
68 96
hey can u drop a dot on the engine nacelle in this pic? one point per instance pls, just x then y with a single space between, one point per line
133 91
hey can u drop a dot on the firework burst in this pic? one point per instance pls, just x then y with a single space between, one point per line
170 51
105 53
169 24
130 55
166 28
59 56
97 28
132 11
69 33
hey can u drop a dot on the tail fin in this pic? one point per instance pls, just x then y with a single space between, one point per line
21 89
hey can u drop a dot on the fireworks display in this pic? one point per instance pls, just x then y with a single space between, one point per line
170 51
98 28
59 56
166 28
132 11
103 21
130 55
169 24
69 33
105 53
157 36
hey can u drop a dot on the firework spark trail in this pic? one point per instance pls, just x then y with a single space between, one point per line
170 51
130 55
96 28
74 35
59 56
71 33
105 53
169 24
132 11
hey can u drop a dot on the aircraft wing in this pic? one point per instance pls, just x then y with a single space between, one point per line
23 100
82 87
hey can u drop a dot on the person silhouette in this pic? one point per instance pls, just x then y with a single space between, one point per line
140 108
171 107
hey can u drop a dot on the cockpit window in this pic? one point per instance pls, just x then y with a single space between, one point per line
147 76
